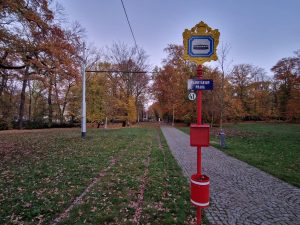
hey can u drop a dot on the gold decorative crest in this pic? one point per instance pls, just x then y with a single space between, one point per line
201 31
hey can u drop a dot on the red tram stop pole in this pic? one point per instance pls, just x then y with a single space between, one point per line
200 46
199 137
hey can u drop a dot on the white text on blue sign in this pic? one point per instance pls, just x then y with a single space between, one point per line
200 84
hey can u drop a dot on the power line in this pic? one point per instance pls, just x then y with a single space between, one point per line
117 71
129 26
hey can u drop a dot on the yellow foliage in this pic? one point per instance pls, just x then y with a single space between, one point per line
131 110
97 98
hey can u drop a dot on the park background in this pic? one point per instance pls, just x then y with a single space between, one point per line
42 56
129 175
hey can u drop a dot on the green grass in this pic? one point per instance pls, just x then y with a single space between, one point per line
274 148
41 173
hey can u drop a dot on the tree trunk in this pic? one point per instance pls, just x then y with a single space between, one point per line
3 84
57 100
22 101
173 116
64 105
30 100
50 108
222 101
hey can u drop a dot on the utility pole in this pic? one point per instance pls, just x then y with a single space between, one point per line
83 105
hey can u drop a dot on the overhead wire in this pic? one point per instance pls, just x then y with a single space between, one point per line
118 71
131 30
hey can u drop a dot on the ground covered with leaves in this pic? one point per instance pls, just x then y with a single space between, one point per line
272 147
120 176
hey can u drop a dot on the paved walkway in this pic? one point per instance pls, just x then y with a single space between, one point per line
240 193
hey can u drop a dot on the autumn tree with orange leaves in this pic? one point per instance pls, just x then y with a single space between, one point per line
35 50
249 93
287 81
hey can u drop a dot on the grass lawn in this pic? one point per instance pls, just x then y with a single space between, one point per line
135 178
274 148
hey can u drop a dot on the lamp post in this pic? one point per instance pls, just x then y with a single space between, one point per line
83 104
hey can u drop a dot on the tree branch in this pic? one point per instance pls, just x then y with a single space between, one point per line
2 66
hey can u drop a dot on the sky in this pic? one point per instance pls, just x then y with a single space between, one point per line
259 32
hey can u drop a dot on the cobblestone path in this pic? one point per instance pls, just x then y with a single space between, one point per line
240 193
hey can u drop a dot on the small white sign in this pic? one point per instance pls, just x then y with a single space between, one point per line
200 46
192 96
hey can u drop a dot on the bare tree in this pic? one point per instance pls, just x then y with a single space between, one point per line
224 64
129 60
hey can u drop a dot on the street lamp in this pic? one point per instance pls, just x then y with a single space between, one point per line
83 105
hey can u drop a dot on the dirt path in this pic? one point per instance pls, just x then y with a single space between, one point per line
78 200
140 200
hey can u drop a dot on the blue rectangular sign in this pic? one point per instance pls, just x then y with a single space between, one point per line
201 85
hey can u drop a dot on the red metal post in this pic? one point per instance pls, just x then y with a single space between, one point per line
199 160
198 216
199 97
199 121
199 117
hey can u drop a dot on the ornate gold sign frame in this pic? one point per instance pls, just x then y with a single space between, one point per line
200 30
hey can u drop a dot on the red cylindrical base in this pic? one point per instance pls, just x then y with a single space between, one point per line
200 190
